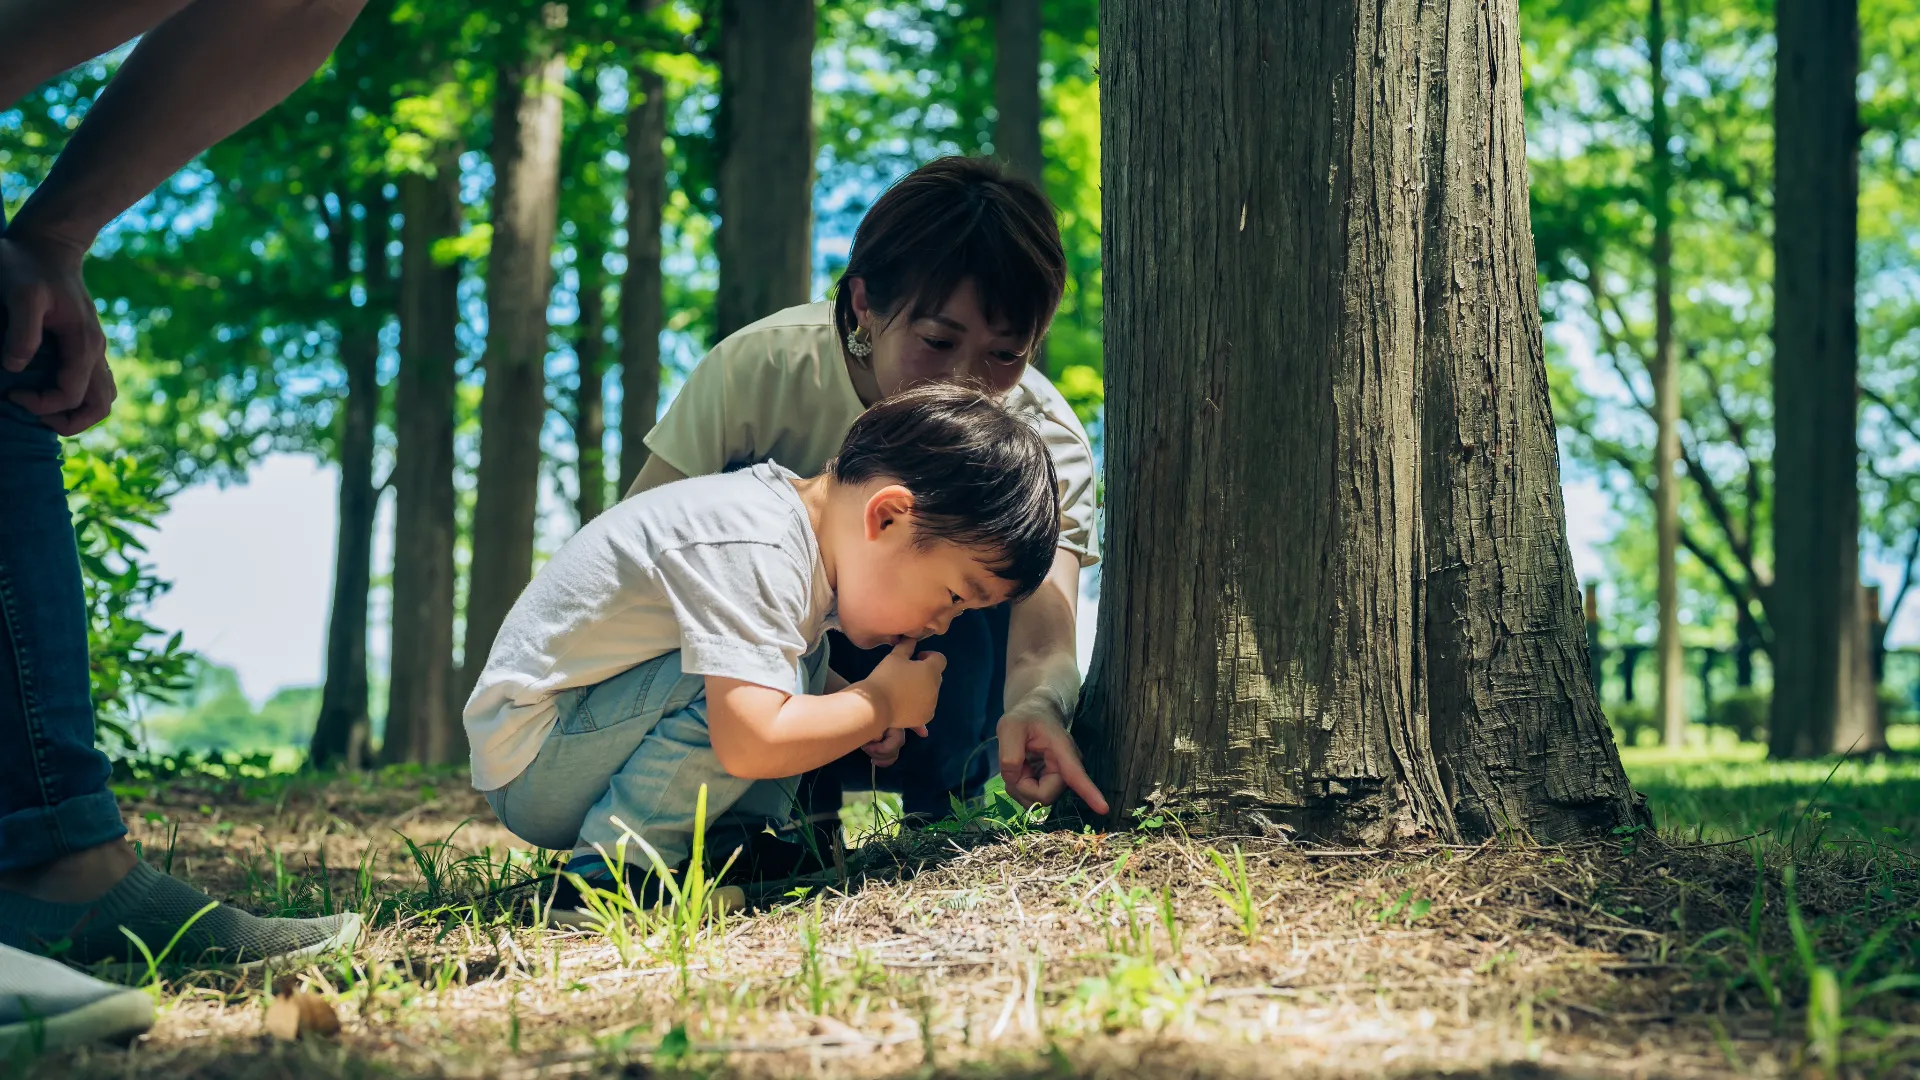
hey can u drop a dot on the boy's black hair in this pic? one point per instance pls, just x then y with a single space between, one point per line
951 220
980 476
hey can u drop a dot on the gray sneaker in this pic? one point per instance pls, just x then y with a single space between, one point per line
46 1006
162 911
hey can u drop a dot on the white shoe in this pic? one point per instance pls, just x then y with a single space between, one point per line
46 1005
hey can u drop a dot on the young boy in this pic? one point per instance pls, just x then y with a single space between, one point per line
677 640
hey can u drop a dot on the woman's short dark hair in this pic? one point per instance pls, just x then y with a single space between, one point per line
949 220
981 476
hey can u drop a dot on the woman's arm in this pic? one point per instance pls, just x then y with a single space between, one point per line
1038 759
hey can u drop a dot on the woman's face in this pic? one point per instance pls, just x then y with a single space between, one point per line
953 344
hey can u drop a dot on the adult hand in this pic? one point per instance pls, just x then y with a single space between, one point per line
44 296
1038 759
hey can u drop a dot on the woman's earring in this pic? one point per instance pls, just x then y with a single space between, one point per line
858 346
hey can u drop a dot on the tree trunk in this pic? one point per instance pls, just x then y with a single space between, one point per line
640 296
526 164
589 415
422 724
340 731
766 159
1821 703
1338 597
1016 87
1666 397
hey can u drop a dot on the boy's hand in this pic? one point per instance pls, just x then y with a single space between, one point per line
885 750
906 687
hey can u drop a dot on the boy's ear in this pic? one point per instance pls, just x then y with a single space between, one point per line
887 508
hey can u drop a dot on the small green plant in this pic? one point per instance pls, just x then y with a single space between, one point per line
1832 994
615 914
1136 993
692 908
1406 907
1629 837
1236 890
812 971
1170 921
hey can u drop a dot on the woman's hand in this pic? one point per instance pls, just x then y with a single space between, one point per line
44 296
1038 760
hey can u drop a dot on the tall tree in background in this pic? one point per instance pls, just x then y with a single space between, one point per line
1823 699
589 403
1338 596
422 717
764 241
1016 87
526 166
641 286
1666 393
587 197
340 733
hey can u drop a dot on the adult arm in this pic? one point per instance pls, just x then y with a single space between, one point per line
1038 759
199 76
46 37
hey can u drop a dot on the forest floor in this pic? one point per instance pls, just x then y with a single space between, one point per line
1006 950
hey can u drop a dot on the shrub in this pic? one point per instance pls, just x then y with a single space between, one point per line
128 658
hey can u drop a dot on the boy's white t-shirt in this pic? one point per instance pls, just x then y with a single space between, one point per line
778 390
725 568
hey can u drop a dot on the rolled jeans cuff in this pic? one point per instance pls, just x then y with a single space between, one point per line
41 834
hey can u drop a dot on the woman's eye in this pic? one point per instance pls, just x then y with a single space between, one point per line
937 344
1010 358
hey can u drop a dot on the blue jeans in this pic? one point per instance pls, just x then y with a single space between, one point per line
54 798
959 753
630 754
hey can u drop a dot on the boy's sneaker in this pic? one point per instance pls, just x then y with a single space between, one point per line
162 911
46 1006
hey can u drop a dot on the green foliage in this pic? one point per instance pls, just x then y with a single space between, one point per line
214 715
1594 174
129 660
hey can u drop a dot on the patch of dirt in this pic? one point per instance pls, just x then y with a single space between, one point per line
1051 953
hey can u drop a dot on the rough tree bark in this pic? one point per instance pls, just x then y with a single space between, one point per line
422 724
589 346
1338 597
764 242
1823 698
640 287
340 731
1016 87
1672 710
526 166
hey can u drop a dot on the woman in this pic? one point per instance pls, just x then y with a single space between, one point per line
954 276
